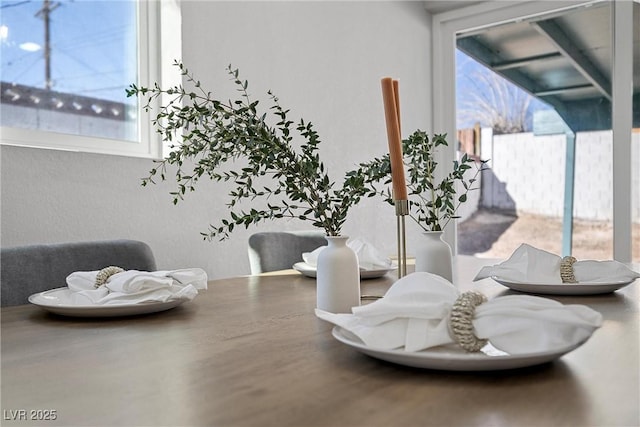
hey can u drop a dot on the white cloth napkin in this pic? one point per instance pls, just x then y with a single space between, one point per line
134 287
414 315
531 265
369 258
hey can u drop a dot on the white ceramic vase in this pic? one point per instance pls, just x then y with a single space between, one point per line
337 277
433 255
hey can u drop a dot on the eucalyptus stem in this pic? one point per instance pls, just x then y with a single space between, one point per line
287 176
431 213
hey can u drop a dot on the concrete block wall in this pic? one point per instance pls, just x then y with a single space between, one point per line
527 174
593 178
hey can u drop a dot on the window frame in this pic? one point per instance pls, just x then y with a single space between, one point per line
149 143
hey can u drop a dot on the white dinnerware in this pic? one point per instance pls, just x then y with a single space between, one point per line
60 301
454 358
579 288
310 271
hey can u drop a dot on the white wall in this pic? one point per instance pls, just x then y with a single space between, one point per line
527 173
323 59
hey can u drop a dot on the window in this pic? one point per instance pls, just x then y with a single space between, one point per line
65 67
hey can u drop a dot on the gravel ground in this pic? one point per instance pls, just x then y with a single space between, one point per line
492 234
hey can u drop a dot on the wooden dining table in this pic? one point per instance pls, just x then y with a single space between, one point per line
249 351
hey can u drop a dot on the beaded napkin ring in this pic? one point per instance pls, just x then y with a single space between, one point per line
566 270
461 319
104 274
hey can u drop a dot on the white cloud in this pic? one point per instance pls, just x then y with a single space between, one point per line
30 46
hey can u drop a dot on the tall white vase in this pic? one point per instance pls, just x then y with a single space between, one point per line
337 277
433 255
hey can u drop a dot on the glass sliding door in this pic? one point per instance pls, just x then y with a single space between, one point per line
635 139
551 182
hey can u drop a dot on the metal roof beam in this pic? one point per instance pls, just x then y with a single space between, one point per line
566 89
517 63
481 53
583 64
588 114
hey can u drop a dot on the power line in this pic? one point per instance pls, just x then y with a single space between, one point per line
20 3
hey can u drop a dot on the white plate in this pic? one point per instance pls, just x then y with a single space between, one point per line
58 301
581 288
310 271
454 358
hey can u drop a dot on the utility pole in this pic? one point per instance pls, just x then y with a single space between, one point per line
45 12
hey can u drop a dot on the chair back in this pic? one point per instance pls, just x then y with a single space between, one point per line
279 250
26 270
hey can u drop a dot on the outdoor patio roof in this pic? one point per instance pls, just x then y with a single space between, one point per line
564 60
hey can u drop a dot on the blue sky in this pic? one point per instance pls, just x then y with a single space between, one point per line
89 39
470 80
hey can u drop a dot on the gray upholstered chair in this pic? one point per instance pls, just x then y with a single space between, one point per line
27 270
279 250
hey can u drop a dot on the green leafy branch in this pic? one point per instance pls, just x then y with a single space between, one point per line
291 179
432 205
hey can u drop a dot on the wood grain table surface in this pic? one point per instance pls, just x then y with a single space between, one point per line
250 352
